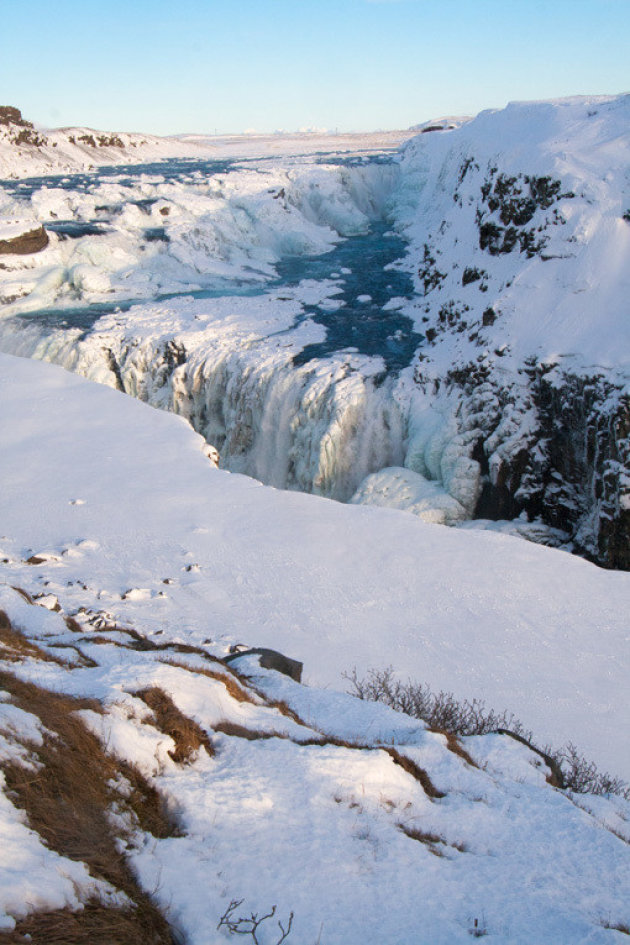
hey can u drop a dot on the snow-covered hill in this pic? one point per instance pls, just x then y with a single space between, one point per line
25 151
145 563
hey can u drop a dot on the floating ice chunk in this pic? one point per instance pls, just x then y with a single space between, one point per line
331 305
394 304
364 298
399 488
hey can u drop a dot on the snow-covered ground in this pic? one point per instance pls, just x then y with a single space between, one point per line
130 518
127 523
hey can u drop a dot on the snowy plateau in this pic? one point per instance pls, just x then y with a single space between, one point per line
430 328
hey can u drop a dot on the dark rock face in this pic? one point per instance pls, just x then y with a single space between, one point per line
585 426
20 131
31 242
570 467
12 116
508 204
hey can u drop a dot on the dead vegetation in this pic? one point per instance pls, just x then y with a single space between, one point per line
14 646
453 744
188 736
617 927
443 712
250 925
25 594
67 804
430 840
95 924
241 731
416 772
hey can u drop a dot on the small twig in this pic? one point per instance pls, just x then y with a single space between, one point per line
285 934
250 926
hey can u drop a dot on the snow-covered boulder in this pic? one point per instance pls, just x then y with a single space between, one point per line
21 238
399 488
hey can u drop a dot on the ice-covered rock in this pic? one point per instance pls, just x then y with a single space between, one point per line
399 488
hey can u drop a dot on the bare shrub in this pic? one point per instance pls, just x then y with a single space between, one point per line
444 712
441 711
583 777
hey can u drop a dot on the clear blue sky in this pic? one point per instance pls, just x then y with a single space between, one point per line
169 66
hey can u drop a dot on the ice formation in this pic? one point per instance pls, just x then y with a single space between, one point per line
516 401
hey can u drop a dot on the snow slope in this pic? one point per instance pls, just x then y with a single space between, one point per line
130 518
128 525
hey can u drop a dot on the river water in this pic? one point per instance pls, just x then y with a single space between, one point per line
364 318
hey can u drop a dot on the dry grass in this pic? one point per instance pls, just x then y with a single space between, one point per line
99 639
73 625
14 647
96 924
284 709
453 744
241 731
416 772
618 927
429 839
188 736
67 802
84 660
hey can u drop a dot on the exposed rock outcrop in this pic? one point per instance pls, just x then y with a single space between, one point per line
30 241
554 448
20 131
